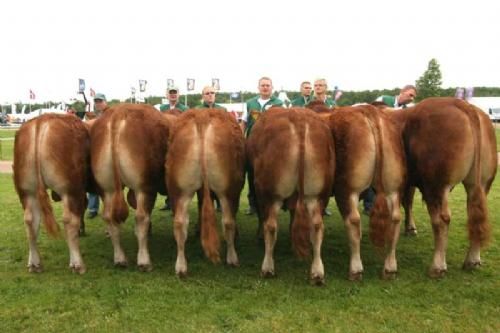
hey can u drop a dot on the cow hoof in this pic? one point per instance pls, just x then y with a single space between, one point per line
145 267
437 273
233 264
411 232
471 265
182 275
78 269
389 275
267 274
317 280
356 276
35 268
121 264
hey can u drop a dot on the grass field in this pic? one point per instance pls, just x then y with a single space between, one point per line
216 298
6 144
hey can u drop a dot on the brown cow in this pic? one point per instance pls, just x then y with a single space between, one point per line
369 152
293 158
448 141
206 153
52 151
128 148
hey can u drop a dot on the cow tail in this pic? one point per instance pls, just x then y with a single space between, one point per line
379 216
477 211
41 193
119 208
209 235
301 228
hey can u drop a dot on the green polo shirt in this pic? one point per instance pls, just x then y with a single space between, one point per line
391 101
301 101
214 106
328 101
254 109
178 106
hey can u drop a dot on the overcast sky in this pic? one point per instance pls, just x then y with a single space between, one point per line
48 45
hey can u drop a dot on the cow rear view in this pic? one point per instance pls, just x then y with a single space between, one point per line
206 153
449 141
292 155
129 144
52 151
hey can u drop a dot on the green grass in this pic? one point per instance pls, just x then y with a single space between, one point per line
7 146
216 298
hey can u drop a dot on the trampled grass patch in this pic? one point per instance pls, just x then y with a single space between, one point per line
216 298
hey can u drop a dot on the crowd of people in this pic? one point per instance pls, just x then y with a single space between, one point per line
318 91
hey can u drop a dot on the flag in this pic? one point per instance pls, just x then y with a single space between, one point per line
190 84
32 94
469 93
460 93
81 86
338 94
216 84
142 85
92 92
170 83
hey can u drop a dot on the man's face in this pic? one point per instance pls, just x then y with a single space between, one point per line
100 104
208 96
173 96
407 96
306 89
320 87
265 88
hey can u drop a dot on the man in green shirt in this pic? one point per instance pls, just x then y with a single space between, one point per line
255 107
173 101
406 96
305 95
208 99
320 90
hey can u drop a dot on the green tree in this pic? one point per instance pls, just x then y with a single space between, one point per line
429 84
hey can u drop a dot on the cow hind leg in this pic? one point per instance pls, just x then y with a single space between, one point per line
390 264
142 226
72 211
478 224
270 234
440 219
181 223
352 222
316 236
32 218
229 227
119 258
410 226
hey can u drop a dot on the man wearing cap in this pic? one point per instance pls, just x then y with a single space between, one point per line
100 106
173 101
208 99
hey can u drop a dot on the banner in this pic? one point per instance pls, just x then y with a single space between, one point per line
92 92
216 84
32 94
81 86
142 85
469 93
170 83
190 84
338 94
460 93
